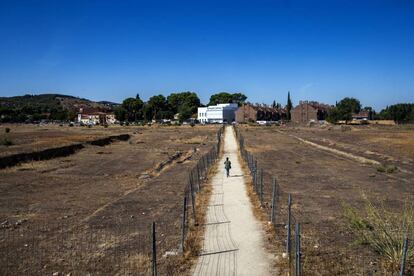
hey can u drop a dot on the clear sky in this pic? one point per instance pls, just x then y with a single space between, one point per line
110 50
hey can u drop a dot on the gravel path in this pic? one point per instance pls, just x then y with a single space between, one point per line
233 240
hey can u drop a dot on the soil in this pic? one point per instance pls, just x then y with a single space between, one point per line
321 181
92 211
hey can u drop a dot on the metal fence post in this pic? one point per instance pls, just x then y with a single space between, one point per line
154 251
404 256
193 202
261 187
288 227
254 179
183 224
198 177
297 250
272 214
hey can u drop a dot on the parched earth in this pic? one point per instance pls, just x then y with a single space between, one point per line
321 182
91 211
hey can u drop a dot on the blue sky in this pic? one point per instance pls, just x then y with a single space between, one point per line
110 50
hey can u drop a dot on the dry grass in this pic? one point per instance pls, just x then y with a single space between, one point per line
181 264
383 230
194 140
141 261
260 214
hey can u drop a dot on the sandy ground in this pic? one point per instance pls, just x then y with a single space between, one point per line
321 182
233 241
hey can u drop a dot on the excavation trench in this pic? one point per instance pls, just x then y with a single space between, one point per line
15 159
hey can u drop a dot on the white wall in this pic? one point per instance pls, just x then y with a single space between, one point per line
217 113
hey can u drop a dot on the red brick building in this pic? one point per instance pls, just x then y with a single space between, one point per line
252 113
308 111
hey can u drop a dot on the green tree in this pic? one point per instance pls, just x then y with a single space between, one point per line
289 106
349 105
190 100
120 113
225 97
344 110
157 108
185 113
133 108
401 113
334 115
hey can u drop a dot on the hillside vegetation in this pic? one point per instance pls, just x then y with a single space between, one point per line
30 108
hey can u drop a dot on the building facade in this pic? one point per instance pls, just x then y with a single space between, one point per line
221 113
308 111
253 113
95 117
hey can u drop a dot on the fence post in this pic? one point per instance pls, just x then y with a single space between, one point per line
255 174
297 250
193 202
404 256
183 224
254 179
272 214
288 227
198 177
154 251
261 187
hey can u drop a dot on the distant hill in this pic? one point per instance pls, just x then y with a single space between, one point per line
47 106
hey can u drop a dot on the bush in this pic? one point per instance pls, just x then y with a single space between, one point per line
6 142
7 130
387 169
384 231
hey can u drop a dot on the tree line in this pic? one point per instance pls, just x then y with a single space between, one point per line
30 108
343 110
182 104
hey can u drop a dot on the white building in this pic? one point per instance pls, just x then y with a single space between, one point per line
95 118
221 113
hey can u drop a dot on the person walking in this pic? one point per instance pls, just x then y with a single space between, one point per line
227 166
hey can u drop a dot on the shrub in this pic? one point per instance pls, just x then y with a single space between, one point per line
7 130
382 230
387 169
381 169
6 142
391 169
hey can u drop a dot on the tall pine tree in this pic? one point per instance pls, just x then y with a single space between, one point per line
288 106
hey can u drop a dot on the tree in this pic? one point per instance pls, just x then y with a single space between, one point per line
188 99
120 113
185 113
157 108
349 105
133 108
344 110
401 113
289 106
225 97
333 115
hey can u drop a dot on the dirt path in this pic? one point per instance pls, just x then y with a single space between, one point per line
233 241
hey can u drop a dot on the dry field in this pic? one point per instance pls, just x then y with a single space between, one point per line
91 211
322 182
29 137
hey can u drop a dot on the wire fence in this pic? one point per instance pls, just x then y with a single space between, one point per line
125 246
302 253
